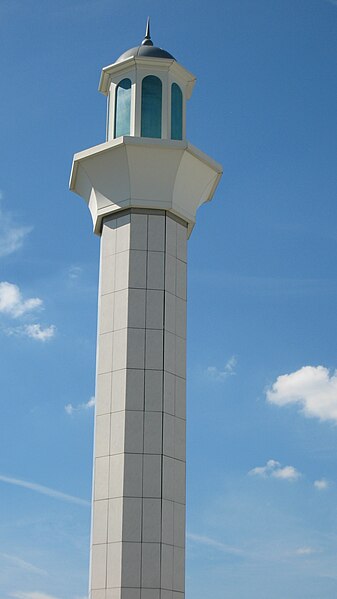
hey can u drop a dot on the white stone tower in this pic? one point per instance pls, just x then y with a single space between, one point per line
143 187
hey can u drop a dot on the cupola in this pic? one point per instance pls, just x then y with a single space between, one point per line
146 90
146 162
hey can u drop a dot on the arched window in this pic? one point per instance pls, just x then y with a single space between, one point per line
151 106
176 112
123 108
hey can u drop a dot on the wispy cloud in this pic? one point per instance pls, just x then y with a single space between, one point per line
13 305
214 543
12 236
36 331
22 564
33 595
33 331
70 409
74 272
12 302
221 375
322 484
275 470
268 287
43 490
305 551
267 552
312 388
36 595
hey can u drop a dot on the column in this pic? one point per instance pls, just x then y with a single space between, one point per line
138 518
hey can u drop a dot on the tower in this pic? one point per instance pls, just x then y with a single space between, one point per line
143 187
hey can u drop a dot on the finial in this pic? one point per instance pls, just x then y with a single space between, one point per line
147 41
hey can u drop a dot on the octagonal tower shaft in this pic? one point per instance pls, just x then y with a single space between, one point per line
138 525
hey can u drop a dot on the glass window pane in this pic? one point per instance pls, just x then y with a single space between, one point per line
123 108
151 106
176 112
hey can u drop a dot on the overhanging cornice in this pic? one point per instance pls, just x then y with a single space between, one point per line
144 173
158 64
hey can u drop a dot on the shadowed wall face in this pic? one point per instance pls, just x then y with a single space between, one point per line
138 525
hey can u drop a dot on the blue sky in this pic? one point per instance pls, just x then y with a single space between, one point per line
262 484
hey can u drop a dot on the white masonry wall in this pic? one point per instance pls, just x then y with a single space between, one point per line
138 522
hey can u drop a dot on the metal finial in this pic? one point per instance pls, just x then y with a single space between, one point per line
147 31
147 41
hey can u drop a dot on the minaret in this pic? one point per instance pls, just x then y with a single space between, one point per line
143 187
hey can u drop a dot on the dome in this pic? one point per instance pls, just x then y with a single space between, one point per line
146 49
149 51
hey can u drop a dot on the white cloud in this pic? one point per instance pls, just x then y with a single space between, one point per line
221 375
74 272
265 470
321 484
22 564
12 302
15 306
275 470
43 490
34 595
11 236
35 331
312 388
303 551
70 409
286 473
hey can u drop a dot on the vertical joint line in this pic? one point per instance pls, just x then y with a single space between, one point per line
162 410
144 406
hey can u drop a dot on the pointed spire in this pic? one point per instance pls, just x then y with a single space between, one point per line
147 32
147 41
